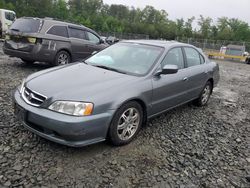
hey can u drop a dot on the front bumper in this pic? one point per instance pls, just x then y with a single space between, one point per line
64 129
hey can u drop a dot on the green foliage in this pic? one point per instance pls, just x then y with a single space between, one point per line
120 18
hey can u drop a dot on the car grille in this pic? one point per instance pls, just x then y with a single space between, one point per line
32 98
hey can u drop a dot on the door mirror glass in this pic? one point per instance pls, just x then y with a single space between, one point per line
167 69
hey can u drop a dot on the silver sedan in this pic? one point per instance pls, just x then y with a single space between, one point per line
113 93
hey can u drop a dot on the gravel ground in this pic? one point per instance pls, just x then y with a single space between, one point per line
186 147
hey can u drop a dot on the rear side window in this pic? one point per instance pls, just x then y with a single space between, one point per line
193 57
27 25
174 57
58 31
77 33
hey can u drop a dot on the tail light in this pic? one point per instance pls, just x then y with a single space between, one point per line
31 40
7 37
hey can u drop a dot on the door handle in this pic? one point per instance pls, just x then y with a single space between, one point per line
185 79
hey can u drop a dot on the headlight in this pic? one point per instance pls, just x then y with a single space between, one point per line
72 108
21 88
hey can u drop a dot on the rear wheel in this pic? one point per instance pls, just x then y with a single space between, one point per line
126 123
62 58
205 95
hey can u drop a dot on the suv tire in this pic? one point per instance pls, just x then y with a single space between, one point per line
62 58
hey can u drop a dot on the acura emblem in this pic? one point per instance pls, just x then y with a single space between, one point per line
31 96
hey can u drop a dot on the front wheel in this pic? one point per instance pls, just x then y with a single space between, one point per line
126 123
62 58
205 95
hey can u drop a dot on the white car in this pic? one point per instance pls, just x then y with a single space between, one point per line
7 17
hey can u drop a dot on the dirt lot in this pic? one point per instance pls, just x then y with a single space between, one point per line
186 147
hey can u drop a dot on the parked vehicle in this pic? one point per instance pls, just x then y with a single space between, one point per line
111 40
114 92
52 41
7 17
247 60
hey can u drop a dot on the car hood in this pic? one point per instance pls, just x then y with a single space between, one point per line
76 82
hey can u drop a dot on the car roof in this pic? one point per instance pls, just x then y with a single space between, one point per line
6 10
160 43
52 21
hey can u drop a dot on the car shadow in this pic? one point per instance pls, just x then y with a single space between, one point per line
37 65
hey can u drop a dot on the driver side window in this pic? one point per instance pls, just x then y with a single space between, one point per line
93 38
174 57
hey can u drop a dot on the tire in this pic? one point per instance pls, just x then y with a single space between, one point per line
248 60
27 61
126 123
62 58
205 95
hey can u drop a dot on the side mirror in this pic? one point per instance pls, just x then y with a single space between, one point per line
101 41
167 69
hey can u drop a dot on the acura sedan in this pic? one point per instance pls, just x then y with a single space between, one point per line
112 94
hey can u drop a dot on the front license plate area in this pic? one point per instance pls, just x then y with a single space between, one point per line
20 113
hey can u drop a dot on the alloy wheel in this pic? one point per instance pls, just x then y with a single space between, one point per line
128 123
205 94
63 59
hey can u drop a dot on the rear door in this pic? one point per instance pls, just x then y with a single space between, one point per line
197 75
79 43
170 90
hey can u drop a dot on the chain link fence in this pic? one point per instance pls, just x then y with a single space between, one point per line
124 36
214 45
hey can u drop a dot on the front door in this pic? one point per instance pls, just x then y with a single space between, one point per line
79 43
94 43
170 90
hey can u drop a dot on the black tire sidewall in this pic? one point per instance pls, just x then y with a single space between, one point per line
198 102
112 134
57 56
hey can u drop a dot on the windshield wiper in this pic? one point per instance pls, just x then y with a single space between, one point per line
109 68
15 30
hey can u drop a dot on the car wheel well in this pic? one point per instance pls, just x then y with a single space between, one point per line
66 50
211 80
142 104
144 108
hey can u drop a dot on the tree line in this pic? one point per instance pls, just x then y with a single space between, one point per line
120 18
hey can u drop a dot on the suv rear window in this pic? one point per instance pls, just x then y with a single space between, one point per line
58 30
26 25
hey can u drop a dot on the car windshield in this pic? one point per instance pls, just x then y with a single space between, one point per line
131 58
26 25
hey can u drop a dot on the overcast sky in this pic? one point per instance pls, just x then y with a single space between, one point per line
187 8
